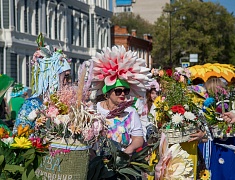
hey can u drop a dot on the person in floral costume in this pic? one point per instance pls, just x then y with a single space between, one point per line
119 73
49 68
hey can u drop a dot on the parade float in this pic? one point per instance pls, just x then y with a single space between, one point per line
54 129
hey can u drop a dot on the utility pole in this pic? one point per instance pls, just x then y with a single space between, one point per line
170 33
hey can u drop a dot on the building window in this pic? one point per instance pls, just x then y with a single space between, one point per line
25 17
36 18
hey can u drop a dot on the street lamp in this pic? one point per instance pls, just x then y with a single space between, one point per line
170 24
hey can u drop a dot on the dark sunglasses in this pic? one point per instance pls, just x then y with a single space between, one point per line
119 91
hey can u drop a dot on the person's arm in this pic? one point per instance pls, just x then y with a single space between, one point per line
198 136
136 133
137 141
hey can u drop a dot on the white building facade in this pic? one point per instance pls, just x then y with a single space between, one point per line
78 27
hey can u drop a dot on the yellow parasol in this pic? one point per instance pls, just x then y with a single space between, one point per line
226 71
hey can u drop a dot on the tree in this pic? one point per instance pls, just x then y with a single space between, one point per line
202 28
133 21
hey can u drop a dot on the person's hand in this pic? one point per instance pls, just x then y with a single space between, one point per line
128 151
198 136
229 117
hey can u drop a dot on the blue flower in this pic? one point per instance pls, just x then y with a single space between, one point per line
209 101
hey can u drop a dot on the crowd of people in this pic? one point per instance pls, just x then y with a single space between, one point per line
134 95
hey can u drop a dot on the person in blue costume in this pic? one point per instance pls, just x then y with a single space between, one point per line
49 69
218 154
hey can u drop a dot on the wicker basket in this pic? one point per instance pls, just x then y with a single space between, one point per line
70 166
217 133
175 136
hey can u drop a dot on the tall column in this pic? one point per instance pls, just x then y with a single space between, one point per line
11 15
43 17
32 16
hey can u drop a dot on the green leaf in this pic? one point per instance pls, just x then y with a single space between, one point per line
1 159
127 178
129 171
122 159
94 168
13 168
29 174
141 165
28 153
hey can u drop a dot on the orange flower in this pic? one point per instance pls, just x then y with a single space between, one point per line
2 132
23 131
161 73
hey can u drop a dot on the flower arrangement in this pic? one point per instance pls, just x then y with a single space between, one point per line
65 120
20 153
175 108
213 107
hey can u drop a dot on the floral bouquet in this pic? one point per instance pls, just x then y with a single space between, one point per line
20 154
214 107
65 118
176 112
71 127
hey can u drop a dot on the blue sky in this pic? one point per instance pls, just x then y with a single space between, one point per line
228 4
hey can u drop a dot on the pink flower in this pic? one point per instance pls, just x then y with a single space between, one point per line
117 63
88 134
52 111
174 162
97 127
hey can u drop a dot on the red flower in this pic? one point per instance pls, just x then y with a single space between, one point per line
36 142
178 109
169 72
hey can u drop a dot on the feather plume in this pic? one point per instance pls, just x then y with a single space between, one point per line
82 74
88 82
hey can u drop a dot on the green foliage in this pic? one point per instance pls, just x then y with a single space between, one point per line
19 164
119 165
133 21
202 28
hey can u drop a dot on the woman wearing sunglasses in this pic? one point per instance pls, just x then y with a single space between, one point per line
119 73
125 128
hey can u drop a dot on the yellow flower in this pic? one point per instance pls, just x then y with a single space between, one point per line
152 161
158 102
205 174
22 143
166 107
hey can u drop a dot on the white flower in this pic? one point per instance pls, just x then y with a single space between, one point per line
174 162
186 107
189 116
32 115
61 119
8 140
170 112
177 119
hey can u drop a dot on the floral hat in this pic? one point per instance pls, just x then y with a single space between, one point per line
18 90
47 65
118 67
200 90
153 84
